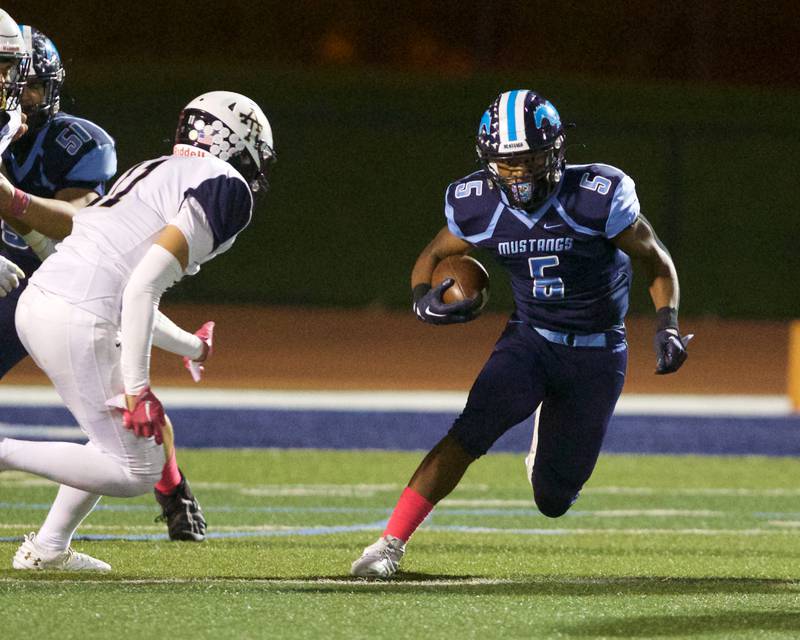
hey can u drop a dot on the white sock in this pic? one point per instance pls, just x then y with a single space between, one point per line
80 466
69 509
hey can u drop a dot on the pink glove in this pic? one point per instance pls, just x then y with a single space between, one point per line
147 417
206 334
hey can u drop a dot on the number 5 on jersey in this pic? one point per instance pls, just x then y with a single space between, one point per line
545 287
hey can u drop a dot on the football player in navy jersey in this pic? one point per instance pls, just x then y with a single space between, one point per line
566 234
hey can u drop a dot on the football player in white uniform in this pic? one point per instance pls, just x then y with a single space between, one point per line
60 165
160 221
14 63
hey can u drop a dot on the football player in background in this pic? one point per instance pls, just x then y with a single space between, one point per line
566 234
161 220
14 63
59 166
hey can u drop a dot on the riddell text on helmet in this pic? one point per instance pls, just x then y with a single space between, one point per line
186 150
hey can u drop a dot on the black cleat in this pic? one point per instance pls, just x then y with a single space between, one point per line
182 513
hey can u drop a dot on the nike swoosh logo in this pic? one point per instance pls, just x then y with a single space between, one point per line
553 226
431 313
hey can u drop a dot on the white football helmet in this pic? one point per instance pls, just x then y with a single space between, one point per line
13 53
231 127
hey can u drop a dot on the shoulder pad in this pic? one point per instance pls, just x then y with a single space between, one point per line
78 150
227 203
598 199
86 131
470 204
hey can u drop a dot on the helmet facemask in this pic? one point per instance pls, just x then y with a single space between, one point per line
256 174
526 178
13 79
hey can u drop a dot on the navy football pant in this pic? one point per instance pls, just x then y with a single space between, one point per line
577 388
11 349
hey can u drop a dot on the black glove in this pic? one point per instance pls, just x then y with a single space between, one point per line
429 306
670 346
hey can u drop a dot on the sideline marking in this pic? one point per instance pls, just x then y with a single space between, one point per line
413 401
39 431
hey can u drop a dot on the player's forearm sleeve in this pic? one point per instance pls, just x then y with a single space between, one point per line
170 337
155 273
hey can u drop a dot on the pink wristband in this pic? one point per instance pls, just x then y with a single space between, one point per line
19 203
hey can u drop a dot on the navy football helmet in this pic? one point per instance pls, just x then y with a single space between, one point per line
13 53
522 131
46 70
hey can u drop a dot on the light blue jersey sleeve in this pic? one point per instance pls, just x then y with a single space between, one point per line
624 208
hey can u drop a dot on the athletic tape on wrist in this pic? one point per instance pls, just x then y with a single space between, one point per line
19 203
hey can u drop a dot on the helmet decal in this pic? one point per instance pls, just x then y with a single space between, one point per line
220 140
485 127
547 112
254 130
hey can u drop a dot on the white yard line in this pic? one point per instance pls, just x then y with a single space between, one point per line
345 582
616 531
19 479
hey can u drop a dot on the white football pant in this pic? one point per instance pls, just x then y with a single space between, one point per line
78 352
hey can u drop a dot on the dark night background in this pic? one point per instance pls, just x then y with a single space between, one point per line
374 107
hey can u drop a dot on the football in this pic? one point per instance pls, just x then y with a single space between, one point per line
471 279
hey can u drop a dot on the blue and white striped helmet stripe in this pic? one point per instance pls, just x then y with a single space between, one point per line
511 116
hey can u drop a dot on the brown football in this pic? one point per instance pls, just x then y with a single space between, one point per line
471 279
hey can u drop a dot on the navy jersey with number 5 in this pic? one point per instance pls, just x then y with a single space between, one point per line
66 152
566 275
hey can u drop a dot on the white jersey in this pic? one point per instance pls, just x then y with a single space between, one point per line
11 121
206 198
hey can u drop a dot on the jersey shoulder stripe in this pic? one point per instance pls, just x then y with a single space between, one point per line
228 204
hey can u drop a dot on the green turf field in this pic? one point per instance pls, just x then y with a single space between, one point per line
670 547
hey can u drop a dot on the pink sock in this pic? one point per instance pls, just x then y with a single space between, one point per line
409 513
170 476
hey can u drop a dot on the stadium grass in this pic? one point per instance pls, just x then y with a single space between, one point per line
657 546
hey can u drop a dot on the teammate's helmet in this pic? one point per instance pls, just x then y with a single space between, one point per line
12 50
47 70
522 130
231 127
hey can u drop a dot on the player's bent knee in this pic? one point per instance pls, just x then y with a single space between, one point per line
138 484
552 506
553 502
141 478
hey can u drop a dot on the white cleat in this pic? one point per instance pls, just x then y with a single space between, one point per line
381 559
30 557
